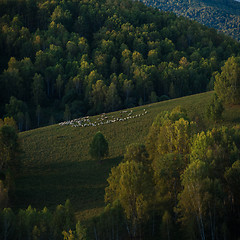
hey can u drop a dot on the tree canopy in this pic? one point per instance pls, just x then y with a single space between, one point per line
97 56
227 83
184 181
99 147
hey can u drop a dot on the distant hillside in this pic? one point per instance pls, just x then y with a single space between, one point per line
221 15
56 164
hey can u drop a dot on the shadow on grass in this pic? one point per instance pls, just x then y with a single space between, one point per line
51 184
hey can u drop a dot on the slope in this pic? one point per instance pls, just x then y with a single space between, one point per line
90 56
56 164
221 15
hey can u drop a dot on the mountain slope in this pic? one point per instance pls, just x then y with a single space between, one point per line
63 58
56 164
221 15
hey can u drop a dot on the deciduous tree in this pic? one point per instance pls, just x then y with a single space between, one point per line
99 147
227 83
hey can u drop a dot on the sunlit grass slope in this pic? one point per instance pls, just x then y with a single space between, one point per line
56 164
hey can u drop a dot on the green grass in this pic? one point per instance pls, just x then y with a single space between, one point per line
56 164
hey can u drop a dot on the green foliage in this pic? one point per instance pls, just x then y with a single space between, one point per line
216 147
68 235
81 233
8 121
98 96
110 223
232 177
166 226
16 109
195 199
215 109
129 184
8 225
38 89
137 153
113 101
131 55
9 149
214 155
67 113
99 147
166 175
170 133
188 179
40 224
227 84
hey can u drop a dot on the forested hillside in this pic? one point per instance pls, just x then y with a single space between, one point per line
222 15
65 59
56 166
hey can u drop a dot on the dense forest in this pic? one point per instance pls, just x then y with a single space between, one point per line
221 15
66 59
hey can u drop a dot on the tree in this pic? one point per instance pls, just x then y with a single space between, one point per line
67 113
78 82
98 96
153 57
38 89
127 88
99 147
153 97
170 133
227 84
191 199
209 197
8 226
79 234
201 201
113 100
130 183
81 231
38 114
218 148
136 152
9 148
9 121
232 176
166 175
14 107
63 220
215 109
166 226
59 85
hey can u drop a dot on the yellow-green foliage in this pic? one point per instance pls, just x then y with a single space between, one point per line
56 164
8 121
228 81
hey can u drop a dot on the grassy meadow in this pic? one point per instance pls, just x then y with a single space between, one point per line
56 164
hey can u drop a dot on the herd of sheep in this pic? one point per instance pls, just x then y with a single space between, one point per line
103 119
